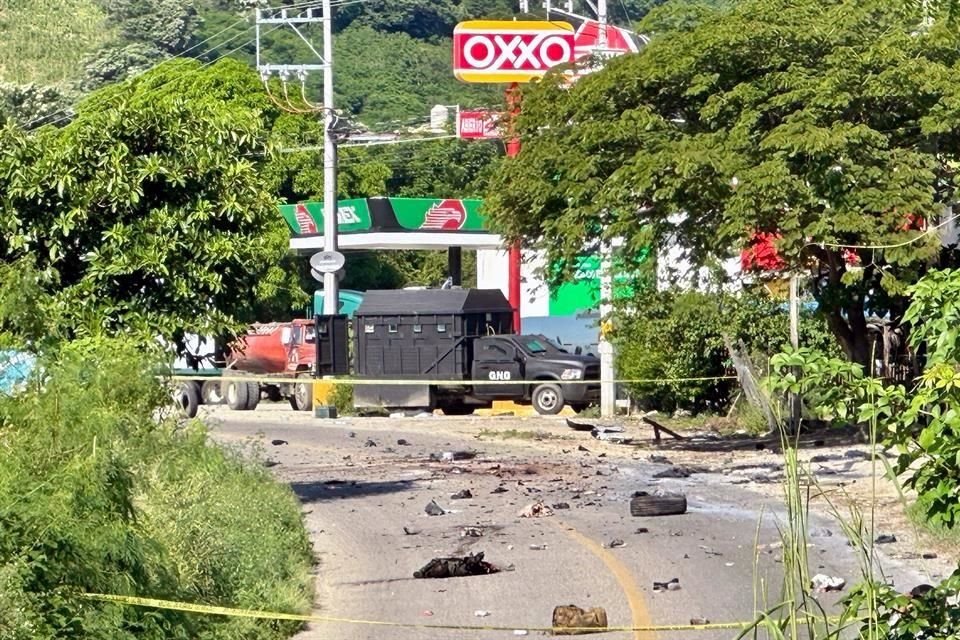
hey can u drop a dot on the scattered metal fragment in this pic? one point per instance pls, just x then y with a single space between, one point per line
277 443
536 510
463 494
823 583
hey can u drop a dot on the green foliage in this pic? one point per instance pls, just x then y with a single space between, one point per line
31 104
826 121
44 41
341 397
680 334
148 212
922 422
882 612
99 495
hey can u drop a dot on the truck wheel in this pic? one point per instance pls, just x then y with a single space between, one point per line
302 398
547 399
211 392
253 395
237 396
188 398
457 410
644 504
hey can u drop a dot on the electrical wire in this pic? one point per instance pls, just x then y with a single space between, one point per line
881 247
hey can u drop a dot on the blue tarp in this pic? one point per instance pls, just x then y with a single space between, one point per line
15 369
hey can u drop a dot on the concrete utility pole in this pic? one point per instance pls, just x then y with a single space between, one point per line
294 19
331 284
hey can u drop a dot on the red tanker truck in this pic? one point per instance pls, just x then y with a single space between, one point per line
275 349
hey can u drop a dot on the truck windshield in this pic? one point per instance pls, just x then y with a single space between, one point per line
537 345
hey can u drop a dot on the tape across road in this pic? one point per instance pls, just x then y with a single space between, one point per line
445 382
172 605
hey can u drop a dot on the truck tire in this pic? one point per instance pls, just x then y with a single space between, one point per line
644 504
237 395
253 395
459 409
188 398
302 397
547 399
211 392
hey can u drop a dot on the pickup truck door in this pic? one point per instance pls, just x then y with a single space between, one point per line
497 360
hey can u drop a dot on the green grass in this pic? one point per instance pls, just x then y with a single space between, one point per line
45 41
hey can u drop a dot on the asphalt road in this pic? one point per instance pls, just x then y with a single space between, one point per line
360 489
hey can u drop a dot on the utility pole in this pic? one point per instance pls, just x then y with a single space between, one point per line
331 284
295 19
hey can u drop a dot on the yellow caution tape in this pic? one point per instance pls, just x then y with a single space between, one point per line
154 603
279 379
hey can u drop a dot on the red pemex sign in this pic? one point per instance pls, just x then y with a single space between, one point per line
510 51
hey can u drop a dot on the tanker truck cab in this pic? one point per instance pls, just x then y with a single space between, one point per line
531 368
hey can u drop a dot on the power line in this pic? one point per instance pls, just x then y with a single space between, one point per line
883 246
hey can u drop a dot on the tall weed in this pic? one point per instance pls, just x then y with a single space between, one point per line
101 491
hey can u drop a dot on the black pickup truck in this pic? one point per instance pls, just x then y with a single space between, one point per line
458 343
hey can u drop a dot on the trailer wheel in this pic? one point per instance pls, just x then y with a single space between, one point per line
211 392
253 395
547 399
302 398
237 395
188 399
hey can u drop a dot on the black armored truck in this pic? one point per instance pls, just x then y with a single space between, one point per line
453 350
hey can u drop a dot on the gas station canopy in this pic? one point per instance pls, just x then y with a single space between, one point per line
392 223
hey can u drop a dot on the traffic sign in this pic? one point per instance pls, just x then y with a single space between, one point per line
327 261
509 50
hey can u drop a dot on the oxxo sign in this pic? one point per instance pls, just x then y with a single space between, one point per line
509 51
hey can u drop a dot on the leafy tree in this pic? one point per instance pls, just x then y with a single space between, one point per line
32 104
829 122
148 211
164 24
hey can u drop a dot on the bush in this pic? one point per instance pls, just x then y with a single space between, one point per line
680 334
342 398
101 492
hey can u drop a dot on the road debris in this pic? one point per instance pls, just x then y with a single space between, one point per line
500 489
471 532
821 532
673 472
611 434
670 585
657 504
538 547
433 509
823 583
570 620
411 532
369 443
277 443
696 622
582 448
616 543
885 538
471 565
463 494
536 510
450 456
402 443
561 505
352 434
520 632
426 613
580 426
642 530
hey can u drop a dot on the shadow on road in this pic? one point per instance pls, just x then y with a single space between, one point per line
341 489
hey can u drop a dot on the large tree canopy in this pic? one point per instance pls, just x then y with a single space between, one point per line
148 211
833 123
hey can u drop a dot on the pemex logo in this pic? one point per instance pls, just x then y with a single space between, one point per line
446 215
305 220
